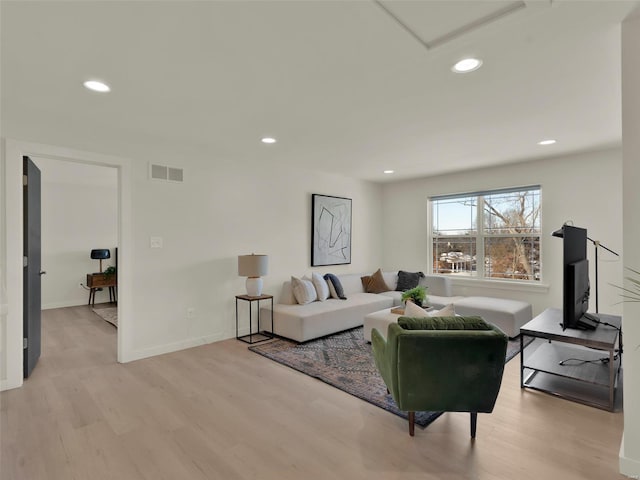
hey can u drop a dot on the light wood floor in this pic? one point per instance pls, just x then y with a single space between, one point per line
222 412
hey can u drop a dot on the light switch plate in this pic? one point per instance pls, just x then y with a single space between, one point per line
155 242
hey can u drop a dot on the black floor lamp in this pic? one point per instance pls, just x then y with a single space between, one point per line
596 243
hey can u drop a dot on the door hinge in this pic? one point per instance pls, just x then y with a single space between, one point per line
25 343
24 180
25 261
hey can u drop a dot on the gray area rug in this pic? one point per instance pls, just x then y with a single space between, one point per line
110 314
345 361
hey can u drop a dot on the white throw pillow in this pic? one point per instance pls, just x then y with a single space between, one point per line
414 311
322 289
303 290
447 311
332 290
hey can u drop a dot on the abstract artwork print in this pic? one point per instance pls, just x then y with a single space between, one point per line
331 230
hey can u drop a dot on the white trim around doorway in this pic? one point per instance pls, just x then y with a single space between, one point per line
14 151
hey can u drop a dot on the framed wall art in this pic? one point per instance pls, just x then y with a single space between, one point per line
330 230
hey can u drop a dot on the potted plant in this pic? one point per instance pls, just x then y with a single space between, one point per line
417 295
631 294
109 271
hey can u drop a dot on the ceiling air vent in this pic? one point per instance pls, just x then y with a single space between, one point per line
165 173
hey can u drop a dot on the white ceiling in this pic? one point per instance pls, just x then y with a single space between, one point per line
342 85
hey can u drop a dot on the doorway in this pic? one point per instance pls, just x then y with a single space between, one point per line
79 220
11 356
79 215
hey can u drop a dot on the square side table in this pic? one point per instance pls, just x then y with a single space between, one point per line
257 336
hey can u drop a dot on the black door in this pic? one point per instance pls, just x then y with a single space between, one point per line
31 270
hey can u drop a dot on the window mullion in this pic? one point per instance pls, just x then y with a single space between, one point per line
514 254
480 238
431 217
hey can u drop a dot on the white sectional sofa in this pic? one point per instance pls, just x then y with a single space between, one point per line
317 319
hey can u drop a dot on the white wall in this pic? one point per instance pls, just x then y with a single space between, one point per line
219 212
585 188
630 449
81 199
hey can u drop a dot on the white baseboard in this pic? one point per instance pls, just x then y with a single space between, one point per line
628 466
171 347
63 304
71 303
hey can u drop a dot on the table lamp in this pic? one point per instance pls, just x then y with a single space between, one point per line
253 267
100 254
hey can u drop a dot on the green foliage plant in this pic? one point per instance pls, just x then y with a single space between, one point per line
110 270
631 294
417 295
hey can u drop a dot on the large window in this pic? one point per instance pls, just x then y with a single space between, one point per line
493 234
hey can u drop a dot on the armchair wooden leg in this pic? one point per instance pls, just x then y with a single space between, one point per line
412 422
474 422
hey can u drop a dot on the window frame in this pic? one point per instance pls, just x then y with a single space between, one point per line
481 236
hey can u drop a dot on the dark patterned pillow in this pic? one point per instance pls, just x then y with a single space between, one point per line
408 280
335 287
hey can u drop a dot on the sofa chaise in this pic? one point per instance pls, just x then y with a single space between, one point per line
320 318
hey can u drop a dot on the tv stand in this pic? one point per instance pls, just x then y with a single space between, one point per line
590 377
588 322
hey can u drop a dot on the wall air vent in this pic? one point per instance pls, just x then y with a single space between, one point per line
159 172
165 173
175 174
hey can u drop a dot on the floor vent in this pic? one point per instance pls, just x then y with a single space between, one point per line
163 172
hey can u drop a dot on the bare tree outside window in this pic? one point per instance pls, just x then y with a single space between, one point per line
507 244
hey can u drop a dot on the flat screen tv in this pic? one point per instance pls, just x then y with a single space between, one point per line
576 287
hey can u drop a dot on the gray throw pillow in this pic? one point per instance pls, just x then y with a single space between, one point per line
408 280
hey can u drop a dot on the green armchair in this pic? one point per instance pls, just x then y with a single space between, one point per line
450 364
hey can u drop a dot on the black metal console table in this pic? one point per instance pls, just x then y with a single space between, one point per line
257 336
579 365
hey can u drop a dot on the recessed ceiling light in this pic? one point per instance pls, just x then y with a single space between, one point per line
547 142
97 86
268 140
467 65
388 171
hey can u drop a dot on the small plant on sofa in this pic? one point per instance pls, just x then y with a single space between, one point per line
417 295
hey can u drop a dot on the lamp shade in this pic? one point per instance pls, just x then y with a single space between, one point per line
100 254
252 265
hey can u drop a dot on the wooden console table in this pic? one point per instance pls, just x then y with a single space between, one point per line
100 280
579 365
